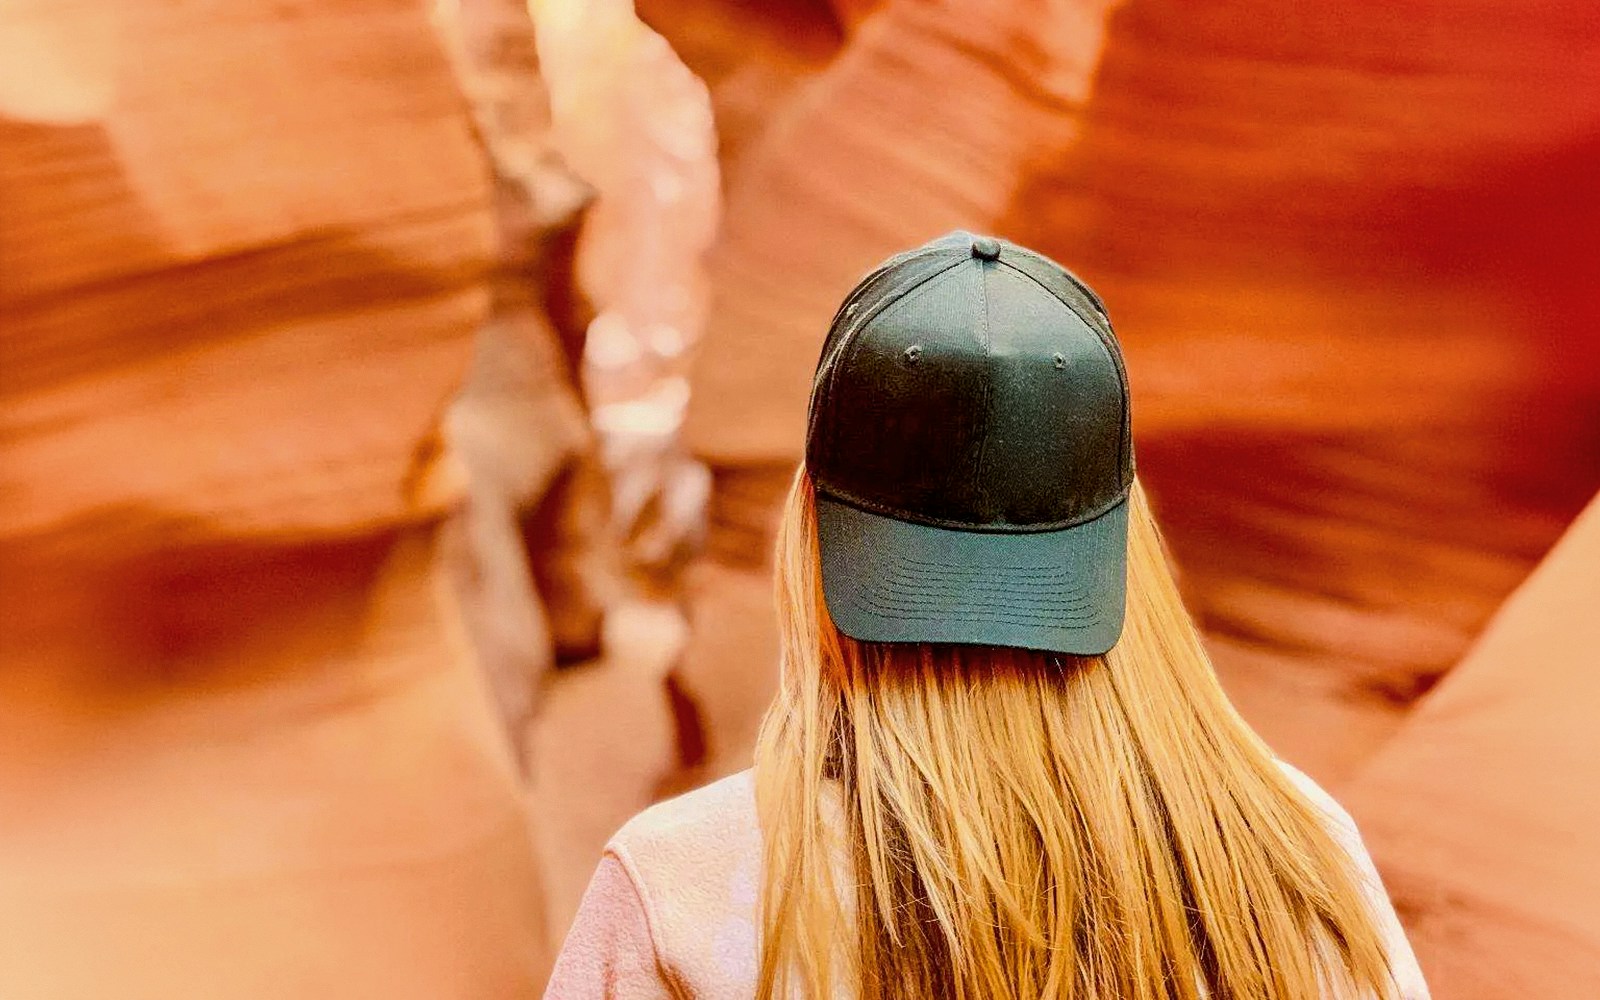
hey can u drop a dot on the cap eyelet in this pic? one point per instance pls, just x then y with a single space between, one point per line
1061 361
912 355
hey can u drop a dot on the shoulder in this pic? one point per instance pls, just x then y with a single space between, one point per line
1403 962
695 862
710 814
1339 822
1316 793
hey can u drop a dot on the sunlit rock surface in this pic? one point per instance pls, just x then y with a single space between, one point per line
636 123
612 734
752 57
147 245
531 551
243 747
1483 810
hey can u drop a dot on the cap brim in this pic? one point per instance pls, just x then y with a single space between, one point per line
893 581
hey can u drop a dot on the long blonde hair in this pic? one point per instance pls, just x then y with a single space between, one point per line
980 823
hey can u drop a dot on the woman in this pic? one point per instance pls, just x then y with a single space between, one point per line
999 764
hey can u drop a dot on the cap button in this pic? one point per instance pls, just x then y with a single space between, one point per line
985 248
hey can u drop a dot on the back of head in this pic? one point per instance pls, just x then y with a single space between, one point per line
1001 799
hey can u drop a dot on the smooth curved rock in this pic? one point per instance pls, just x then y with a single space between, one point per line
1483 811
243 747
148 253
262 770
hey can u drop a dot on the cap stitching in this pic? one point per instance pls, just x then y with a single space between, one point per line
918 572
988 391
929 564
871 604
1014 599
1100 321
852 345
856 294
1073 624
918 575
992 587
1016 603
853 324
899 603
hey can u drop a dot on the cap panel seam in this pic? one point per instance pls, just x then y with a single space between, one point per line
850 340
1113 354
831 346
853 344
1100 322
858 292
987 409
855 324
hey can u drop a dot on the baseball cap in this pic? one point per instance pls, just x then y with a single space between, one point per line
970 447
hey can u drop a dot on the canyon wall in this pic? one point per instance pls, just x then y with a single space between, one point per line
1344 329
345 354
1483 808
245 749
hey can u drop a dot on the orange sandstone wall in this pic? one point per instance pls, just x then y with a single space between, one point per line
1348 248
1484 808
1348 252
243 749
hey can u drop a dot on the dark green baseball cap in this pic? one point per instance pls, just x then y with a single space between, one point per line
970 445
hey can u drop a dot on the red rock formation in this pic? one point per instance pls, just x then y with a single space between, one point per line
1331 253
1483 810
147 246
636 123
1348 269
535 564
637 126
752 57
243 750
255 769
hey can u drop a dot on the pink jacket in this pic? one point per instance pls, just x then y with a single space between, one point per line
671 911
